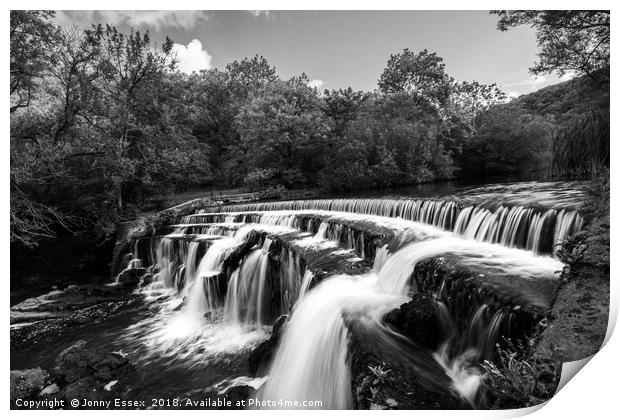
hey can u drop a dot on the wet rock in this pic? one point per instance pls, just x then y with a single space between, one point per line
27 384
50 390
466 286
239 393
131 276
146 279
92 373
26 335
379 380
262 355
418 320
78 361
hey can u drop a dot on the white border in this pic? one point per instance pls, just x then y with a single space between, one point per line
592 395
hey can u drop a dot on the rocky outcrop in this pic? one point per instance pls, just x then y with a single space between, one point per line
580 313
79 373
91 373
418 320
380 381
43 319
466 287
27 384
261 356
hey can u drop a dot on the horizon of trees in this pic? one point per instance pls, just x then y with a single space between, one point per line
102 122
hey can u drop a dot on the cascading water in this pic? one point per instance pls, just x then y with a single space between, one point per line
317 355
203 292
516 226
247 290
265 281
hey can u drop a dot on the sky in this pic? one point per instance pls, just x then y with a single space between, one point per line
338 49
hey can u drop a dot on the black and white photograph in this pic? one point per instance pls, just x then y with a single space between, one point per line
307 209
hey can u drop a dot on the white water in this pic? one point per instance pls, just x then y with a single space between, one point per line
516 226
317 356
245 299
310 363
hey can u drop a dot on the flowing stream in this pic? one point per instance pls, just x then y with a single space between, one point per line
222 276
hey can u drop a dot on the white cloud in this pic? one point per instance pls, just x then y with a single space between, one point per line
156 19
315 83
258 13
192 57
568 75
512 94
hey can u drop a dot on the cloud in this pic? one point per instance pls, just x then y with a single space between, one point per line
192 57
156 19
512 94
258 13
568 75
315 83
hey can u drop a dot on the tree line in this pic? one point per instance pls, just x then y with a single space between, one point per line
102 121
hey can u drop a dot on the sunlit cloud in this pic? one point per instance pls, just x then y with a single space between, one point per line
155 19
315 83
259 13
192 58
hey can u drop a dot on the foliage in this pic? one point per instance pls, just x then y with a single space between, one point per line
283 127
507 140
581 149
103 124
569 40
422 74
33 36
516 381
104 132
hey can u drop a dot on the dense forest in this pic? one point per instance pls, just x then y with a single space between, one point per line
102 122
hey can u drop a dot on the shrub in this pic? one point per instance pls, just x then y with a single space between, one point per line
516 381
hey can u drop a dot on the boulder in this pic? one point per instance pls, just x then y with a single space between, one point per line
130 276
78 361
261 356
405 378
239 393
418 320
27 384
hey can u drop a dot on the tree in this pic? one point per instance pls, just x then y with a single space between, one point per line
508 140
249 75
33 36
569 40
128 66
283 127
422 74
343 106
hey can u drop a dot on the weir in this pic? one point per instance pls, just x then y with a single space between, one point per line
539 230
343 268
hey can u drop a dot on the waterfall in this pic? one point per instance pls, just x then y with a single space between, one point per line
305 282
190 263
517 226
166 261
246 299
568 223
203 292
310 363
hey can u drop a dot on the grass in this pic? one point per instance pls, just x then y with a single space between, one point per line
581 149
516 381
